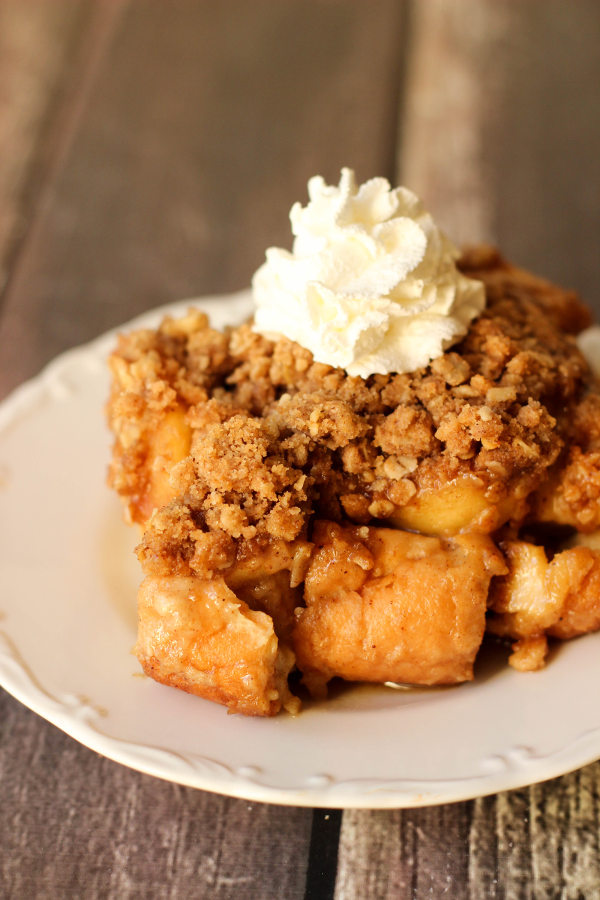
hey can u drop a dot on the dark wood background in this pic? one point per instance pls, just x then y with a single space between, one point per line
151 150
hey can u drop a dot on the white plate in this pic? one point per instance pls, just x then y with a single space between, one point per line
68 581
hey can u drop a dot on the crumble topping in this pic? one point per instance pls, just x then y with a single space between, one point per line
277 438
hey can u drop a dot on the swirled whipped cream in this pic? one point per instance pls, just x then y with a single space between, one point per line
371 285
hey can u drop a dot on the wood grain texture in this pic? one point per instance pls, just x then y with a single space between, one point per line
539 843
502 135
37 44
400 855
545 838
76 825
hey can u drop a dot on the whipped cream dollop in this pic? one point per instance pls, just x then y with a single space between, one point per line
371 285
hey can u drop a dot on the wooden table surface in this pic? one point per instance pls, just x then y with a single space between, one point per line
151 151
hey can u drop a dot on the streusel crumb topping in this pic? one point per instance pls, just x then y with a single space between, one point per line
277 439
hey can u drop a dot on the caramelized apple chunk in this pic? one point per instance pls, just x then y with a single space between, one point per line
560 598
168 445
458 505
386 605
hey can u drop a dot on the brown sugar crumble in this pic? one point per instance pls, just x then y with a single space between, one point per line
230 446
278 438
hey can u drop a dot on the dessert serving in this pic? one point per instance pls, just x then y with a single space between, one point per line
399 454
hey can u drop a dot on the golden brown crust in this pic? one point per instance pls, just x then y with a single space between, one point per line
366 618
200 637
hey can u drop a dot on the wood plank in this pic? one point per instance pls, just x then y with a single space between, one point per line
37 42
545 839
540 842
197 137
401 855
189 131
75 824
500 136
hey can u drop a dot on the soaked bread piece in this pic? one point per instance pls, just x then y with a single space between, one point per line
385 605
198 636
